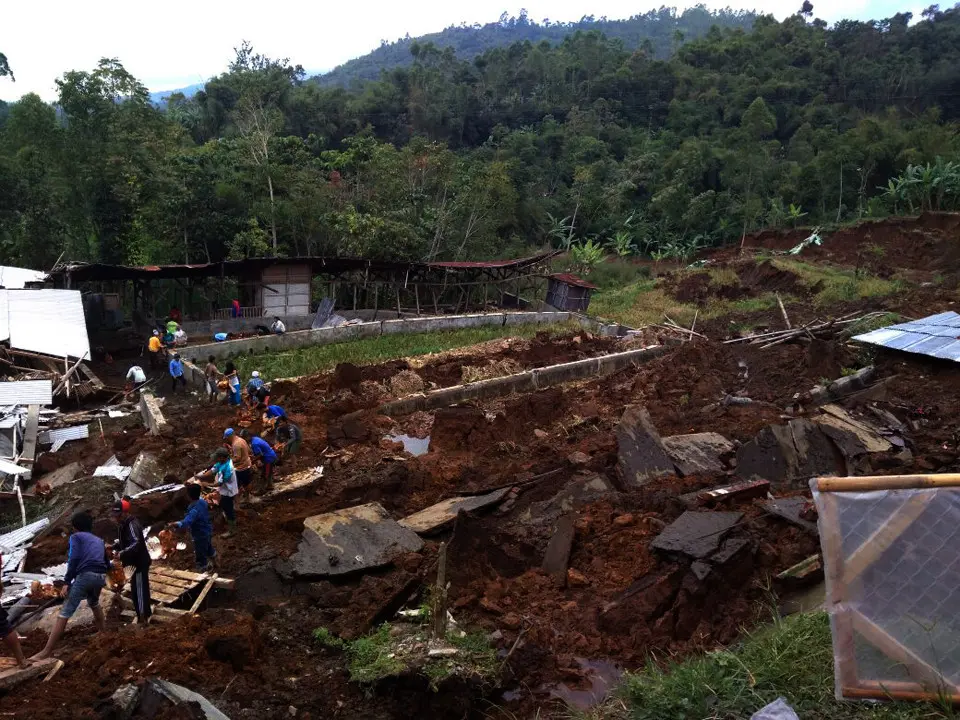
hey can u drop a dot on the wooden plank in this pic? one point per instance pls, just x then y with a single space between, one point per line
30 434
885 535
832 544
887 482
173 582
222 583
203 594
54 670
161 596
167 589
17 675
918 668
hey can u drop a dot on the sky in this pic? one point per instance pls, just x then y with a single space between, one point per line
177 43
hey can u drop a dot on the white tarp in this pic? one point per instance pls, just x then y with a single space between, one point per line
14 278
47 321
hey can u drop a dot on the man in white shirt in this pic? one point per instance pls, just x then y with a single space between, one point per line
278 327
136 377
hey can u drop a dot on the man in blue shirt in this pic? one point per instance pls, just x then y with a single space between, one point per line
176 373
87 566
253 385
266 456
201 528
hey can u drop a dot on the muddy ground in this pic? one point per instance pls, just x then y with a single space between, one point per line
251 651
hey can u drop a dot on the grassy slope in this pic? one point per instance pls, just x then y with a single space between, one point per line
792 658
305 361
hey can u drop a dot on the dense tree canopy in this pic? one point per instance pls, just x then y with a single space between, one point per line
522 144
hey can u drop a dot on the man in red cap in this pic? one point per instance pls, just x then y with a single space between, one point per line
132 550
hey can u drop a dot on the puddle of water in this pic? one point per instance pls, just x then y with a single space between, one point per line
602 677
414 446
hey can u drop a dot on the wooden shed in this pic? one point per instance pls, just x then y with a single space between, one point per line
285 290
569 292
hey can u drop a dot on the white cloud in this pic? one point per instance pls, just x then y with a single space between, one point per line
177 43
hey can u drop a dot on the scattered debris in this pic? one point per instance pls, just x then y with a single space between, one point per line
112 468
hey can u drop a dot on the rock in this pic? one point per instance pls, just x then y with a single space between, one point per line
643 457
576 578
817 454
353 429
734 560
66 474
771 455
406 382
699 453
511 621
790 509
557 556
578 458
490 606
410 562
696 534
644 600
349 540
144 475
623 520
540 434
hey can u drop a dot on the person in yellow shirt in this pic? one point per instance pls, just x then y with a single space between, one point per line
155 347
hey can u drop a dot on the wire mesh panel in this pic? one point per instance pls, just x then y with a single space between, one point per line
891 551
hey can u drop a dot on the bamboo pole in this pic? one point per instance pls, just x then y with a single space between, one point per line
440 601
887 482
783 310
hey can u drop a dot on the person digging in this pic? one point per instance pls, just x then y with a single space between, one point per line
267 457
242 459
87 566
289 438
226 484
201 528
9 634
131 548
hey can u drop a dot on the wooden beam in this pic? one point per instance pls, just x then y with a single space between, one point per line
30 434
203 594
887 482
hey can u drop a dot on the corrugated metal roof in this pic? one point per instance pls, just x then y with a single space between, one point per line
935 336
23 535
48 321
4 316
77 432
26 392
14 278
158 489
571 279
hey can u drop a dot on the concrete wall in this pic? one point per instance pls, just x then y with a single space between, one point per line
528 381
198 354
200 328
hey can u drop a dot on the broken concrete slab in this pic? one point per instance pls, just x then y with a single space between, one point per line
789 509
582 489
152 416
145 475
696 534
438 516
66 474
817 454
291 484
698 453
643 457
350 540
866 433
557 557
771 455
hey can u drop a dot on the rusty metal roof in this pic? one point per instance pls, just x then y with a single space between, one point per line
571 279
82 272
936 336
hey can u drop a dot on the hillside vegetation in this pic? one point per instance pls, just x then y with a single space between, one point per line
582 143
659 32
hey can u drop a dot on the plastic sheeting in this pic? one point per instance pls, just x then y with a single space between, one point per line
893 578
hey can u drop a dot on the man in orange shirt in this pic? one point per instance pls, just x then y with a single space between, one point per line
242 459
155 347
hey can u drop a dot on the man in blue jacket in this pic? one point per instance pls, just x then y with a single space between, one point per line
266 456
176 373
87 566
201 528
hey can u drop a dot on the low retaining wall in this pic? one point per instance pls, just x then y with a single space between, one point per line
198 354
528 381
232 325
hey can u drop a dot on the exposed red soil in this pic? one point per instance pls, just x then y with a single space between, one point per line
753 279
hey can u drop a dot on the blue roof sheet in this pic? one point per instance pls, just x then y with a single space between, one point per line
936 336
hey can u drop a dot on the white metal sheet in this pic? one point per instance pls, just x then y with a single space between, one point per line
10 468
49 322
14 278
4 316
26 392
62 435
23 535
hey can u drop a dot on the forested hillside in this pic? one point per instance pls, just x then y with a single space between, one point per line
581 142
660 32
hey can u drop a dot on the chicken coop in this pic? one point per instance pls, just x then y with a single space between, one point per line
569 292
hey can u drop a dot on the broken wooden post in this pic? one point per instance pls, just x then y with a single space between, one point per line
440 595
